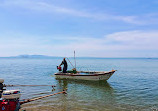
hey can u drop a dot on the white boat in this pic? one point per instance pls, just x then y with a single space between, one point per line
83 75
11 94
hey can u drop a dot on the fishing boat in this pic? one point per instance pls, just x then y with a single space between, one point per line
84 75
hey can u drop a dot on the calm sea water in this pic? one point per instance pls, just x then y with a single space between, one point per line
133 87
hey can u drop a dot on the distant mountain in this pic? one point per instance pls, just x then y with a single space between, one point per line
34 56
31 56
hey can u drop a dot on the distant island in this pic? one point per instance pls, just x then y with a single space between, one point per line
31 56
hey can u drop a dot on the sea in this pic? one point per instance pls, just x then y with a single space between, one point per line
133 87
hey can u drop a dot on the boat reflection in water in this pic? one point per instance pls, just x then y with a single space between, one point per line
82 95
65 83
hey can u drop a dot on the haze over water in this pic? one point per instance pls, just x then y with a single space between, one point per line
133 87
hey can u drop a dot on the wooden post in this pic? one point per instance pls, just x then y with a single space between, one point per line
75 59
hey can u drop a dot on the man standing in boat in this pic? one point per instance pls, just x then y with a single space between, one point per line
65 65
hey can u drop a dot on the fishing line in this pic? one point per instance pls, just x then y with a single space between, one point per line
70 62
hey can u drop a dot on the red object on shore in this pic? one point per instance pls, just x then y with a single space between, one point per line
7 105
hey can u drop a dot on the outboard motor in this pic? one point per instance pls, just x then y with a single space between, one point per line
9 100
59 68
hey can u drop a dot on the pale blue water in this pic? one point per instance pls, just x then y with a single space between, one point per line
133 87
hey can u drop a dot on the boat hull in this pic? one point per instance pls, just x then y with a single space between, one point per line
95 76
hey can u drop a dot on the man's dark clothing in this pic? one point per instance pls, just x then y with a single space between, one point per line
1 89
65 66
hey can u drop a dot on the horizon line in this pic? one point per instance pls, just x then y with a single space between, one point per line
47 56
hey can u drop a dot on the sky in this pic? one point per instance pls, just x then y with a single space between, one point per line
93 28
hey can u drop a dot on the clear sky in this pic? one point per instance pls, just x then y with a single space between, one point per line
95 28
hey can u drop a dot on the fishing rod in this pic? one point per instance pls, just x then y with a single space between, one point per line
70 62
41 97
74 60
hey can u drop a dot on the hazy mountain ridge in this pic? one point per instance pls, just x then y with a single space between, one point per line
31 56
